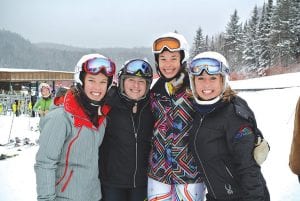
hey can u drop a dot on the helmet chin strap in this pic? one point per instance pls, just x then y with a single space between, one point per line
208 102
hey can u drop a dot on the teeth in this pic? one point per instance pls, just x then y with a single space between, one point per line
95 94
168 71
207 91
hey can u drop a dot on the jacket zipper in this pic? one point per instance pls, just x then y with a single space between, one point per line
228 171
198 157
135 131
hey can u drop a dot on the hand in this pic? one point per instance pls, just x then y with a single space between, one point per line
261 150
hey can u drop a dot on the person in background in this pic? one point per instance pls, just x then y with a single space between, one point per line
66 164
173 174
60 96
223 135
294 159
33 99
124 152
43 104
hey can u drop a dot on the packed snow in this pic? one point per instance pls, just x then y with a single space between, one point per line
274 109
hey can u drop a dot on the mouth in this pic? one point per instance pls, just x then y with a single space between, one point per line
207 91
169 71
96 95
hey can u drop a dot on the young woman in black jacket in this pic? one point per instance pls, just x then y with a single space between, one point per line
125 149
223 135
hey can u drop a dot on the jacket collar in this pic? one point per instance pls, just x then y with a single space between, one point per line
80 118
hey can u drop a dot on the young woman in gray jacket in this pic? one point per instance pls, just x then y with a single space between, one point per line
67 160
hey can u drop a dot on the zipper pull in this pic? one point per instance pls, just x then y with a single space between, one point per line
134 108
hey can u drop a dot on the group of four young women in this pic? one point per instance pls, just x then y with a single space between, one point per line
177 141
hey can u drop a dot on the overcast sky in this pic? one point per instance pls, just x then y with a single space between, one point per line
117 23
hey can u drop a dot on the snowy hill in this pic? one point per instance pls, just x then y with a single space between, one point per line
268 82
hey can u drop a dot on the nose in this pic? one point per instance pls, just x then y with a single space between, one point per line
136 84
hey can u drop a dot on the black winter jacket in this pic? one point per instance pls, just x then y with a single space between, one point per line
124 153
224 154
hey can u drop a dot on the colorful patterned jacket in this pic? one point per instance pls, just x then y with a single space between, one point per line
171 161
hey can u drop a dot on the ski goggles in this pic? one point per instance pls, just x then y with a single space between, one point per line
97 65
139 67
211 66
172 44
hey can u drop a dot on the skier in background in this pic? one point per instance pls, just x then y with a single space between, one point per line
43 104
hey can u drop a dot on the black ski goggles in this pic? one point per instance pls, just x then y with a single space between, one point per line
138 67
97 65
211 66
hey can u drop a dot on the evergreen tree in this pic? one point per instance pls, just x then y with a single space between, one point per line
294 22
280 35
250 53
233 42
199 44
264 34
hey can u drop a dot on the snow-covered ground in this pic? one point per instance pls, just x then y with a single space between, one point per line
274 110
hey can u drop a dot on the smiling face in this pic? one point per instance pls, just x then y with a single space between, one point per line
208 86
95 86
135 87
169 63
45 92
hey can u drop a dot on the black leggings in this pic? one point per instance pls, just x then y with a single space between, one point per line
124 194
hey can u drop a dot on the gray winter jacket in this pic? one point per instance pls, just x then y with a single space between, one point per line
67 160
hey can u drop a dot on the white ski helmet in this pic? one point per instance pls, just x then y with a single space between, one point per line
85 58
224 71
177 42
45 85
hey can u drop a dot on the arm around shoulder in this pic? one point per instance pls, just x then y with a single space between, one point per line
294 160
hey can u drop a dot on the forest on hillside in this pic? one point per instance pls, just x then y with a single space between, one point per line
17 52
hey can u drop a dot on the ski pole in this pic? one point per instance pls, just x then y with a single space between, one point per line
12 121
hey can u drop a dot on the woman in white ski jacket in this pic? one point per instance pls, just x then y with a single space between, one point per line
67 161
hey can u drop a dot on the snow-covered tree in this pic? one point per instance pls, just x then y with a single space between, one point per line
294 23
250 42
264 34
280 35
199 44
233 42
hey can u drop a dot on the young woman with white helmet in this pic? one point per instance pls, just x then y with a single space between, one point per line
124 152
67 160
223 135
173 174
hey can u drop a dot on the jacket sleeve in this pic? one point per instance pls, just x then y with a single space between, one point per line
294 159
241 140
54 130
36 106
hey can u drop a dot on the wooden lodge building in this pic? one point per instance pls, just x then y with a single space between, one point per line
14 79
